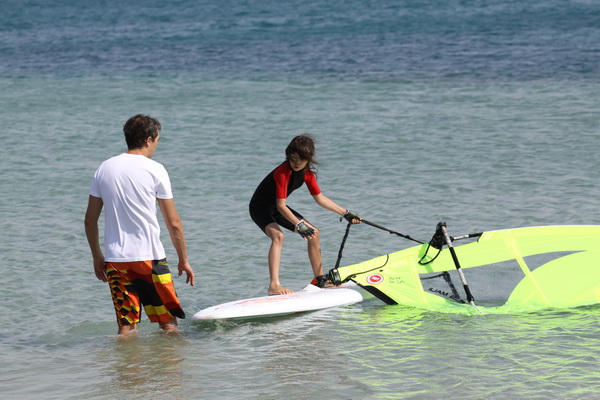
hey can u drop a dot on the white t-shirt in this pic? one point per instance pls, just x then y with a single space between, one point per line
129 185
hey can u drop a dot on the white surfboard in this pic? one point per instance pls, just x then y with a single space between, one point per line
310 298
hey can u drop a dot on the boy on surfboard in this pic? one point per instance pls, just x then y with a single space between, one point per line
268 208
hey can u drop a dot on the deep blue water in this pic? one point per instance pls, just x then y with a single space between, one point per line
381 40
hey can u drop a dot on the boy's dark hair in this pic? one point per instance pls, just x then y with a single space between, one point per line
138 128
304 146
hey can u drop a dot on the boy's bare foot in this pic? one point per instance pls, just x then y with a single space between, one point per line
278 289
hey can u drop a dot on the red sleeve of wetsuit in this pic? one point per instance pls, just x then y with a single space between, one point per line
281 176
311 183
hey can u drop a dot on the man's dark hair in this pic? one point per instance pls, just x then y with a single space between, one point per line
138 128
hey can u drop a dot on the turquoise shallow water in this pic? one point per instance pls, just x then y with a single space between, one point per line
405 155
481 115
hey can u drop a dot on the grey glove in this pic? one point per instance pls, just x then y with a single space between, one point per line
351 215
304 230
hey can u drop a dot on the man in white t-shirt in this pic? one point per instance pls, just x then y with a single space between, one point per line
128 186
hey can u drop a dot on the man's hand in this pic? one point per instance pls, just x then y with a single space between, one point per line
189 272
100 269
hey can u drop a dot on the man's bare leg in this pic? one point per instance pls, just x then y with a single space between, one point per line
127 329
170 327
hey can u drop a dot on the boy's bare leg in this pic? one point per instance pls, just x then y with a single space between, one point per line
274 232
314 253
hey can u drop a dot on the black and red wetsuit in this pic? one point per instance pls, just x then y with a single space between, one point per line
279 184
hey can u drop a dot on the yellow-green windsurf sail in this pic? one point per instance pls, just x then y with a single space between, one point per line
508 270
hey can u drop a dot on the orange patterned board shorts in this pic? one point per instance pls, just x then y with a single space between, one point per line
143 283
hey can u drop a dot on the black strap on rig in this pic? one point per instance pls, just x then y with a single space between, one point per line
339 259
438 241
390 231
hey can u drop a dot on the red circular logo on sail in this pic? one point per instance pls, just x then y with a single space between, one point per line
374 279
